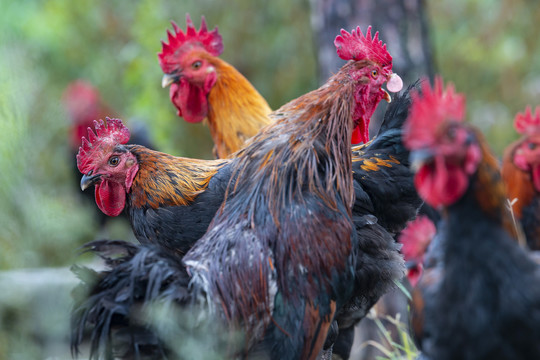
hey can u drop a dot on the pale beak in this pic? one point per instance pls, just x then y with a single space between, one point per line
89 180
420 157
168 79
387 96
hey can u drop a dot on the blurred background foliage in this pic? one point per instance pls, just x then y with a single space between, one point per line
488 48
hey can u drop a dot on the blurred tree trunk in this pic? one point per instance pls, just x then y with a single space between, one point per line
402 25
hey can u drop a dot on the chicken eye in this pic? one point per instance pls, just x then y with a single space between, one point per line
374 73
197 64
531 146
114 161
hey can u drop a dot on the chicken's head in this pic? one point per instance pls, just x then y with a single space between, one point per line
526 155
415 239
185 62
445 152
370 66
107 164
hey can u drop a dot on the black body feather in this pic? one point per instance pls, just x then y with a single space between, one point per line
487 305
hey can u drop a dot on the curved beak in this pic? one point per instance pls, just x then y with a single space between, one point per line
387 96
168 79
89 180
420 157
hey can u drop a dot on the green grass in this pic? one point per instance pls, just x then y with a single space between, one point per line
401 349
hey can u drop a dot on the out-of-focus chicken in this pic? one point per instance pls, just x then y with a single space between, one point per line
521 174
482 298
203 86
415 239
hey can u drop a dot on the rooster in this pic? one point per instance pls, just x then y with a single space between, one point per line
83 104
202 86
521 174
169 200
330 202
482 301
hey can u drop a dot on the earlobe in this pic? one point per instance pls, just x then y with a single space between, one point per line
520 161
130 174
474 155
210 81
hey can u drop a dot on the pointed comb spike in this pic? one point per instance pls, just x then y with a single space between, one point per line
86 145
189 22
376 38
203 28
164 48
99 126
190 28
527 124
368 33
91 136
175 27
171 38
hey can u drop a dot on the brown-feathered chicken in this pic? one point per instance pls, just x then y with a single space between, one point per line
307 148
169 200
482 301
521 174
203 86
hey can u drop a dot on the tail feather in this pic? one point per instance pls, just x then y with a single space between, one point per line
110 305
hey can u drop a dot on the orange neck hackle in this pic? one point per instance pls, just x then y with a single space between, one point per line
166 180
237 110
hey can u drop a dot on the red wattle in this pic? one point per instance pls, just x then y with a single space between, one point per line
441 184
414 274
356 136
190 100
360 133
110 197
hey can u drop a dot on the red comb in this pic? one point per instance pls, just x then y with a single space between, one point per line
356 46
525 123
416 237
210 41
107 135
429 109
